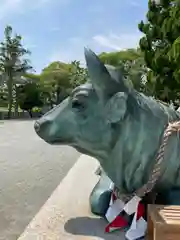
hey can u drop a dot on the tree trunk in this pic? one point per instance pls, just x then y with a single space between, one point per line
16 101
10 107
30 113
10 95
58 90
51 103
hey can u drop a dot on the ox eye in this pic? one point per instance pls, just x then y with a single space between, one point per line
77 104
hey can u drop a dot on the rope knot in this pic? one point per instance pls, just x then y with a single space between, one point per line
174 127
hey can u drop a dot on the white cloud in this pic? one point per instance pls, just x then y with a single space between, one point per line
106 42
118 42
74 49
8 7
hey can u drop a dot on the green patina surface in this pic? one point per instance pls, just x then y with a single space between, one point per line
122 128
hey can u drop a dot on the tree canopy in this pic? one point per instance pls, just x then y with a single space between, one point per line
29 97
13 64
131 64
152 67
160 45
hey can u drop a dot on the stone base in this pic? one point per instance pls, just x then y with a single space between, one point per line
66 214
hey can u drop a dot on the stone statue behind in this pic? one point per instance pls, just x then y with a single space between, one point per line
122 128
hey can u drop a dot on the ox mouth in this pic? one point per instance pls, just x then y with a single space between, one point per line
57 142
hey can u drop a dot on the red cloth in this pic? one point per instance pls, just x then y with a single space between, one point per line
113 196
140 211
118 223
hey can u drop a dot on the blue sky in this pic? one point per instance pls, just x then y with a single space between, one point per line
59 29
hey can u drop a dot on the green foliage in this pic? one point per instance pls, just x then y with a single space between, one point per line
29 96
160 45
12 62
32 77
115 58
3 96
132 65
12 53
78 74
57 73
54 81
58 79
153 68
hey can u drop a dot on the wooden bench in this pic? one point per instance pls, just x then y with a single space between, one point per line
163 222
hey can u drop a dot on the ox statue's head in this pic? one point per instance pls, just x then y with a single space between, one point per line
86 119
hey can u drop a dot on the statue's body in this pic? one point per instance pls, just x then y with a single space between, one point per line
122 128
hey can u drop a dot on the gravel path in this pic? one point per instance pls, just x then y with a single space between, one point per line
30 170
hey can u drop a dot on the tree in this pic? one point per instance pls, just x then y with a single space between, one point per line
116 58
3 92
55 81
78 74
161 31
12 62
32 77
132 65
29 97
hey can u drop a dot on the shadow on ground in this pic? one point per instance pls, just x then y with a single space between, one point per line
87 226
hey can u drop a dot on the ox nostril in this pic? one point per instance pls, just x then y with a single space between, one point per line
37 126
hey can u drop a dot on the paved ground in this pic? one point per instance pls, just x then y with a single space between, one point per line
30 170
63 219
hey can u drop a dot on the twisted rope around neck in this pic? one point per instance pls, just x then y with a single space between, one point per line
155 175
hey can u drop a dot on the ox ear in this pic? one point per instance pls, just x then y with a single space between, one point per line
100 77
115 108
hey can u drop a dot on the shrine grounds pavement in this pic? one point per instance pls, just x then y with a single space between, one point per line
30 170
66 215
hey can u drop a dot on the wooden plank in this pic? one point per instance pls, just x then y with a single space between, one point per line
150 229
153 212
163 222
